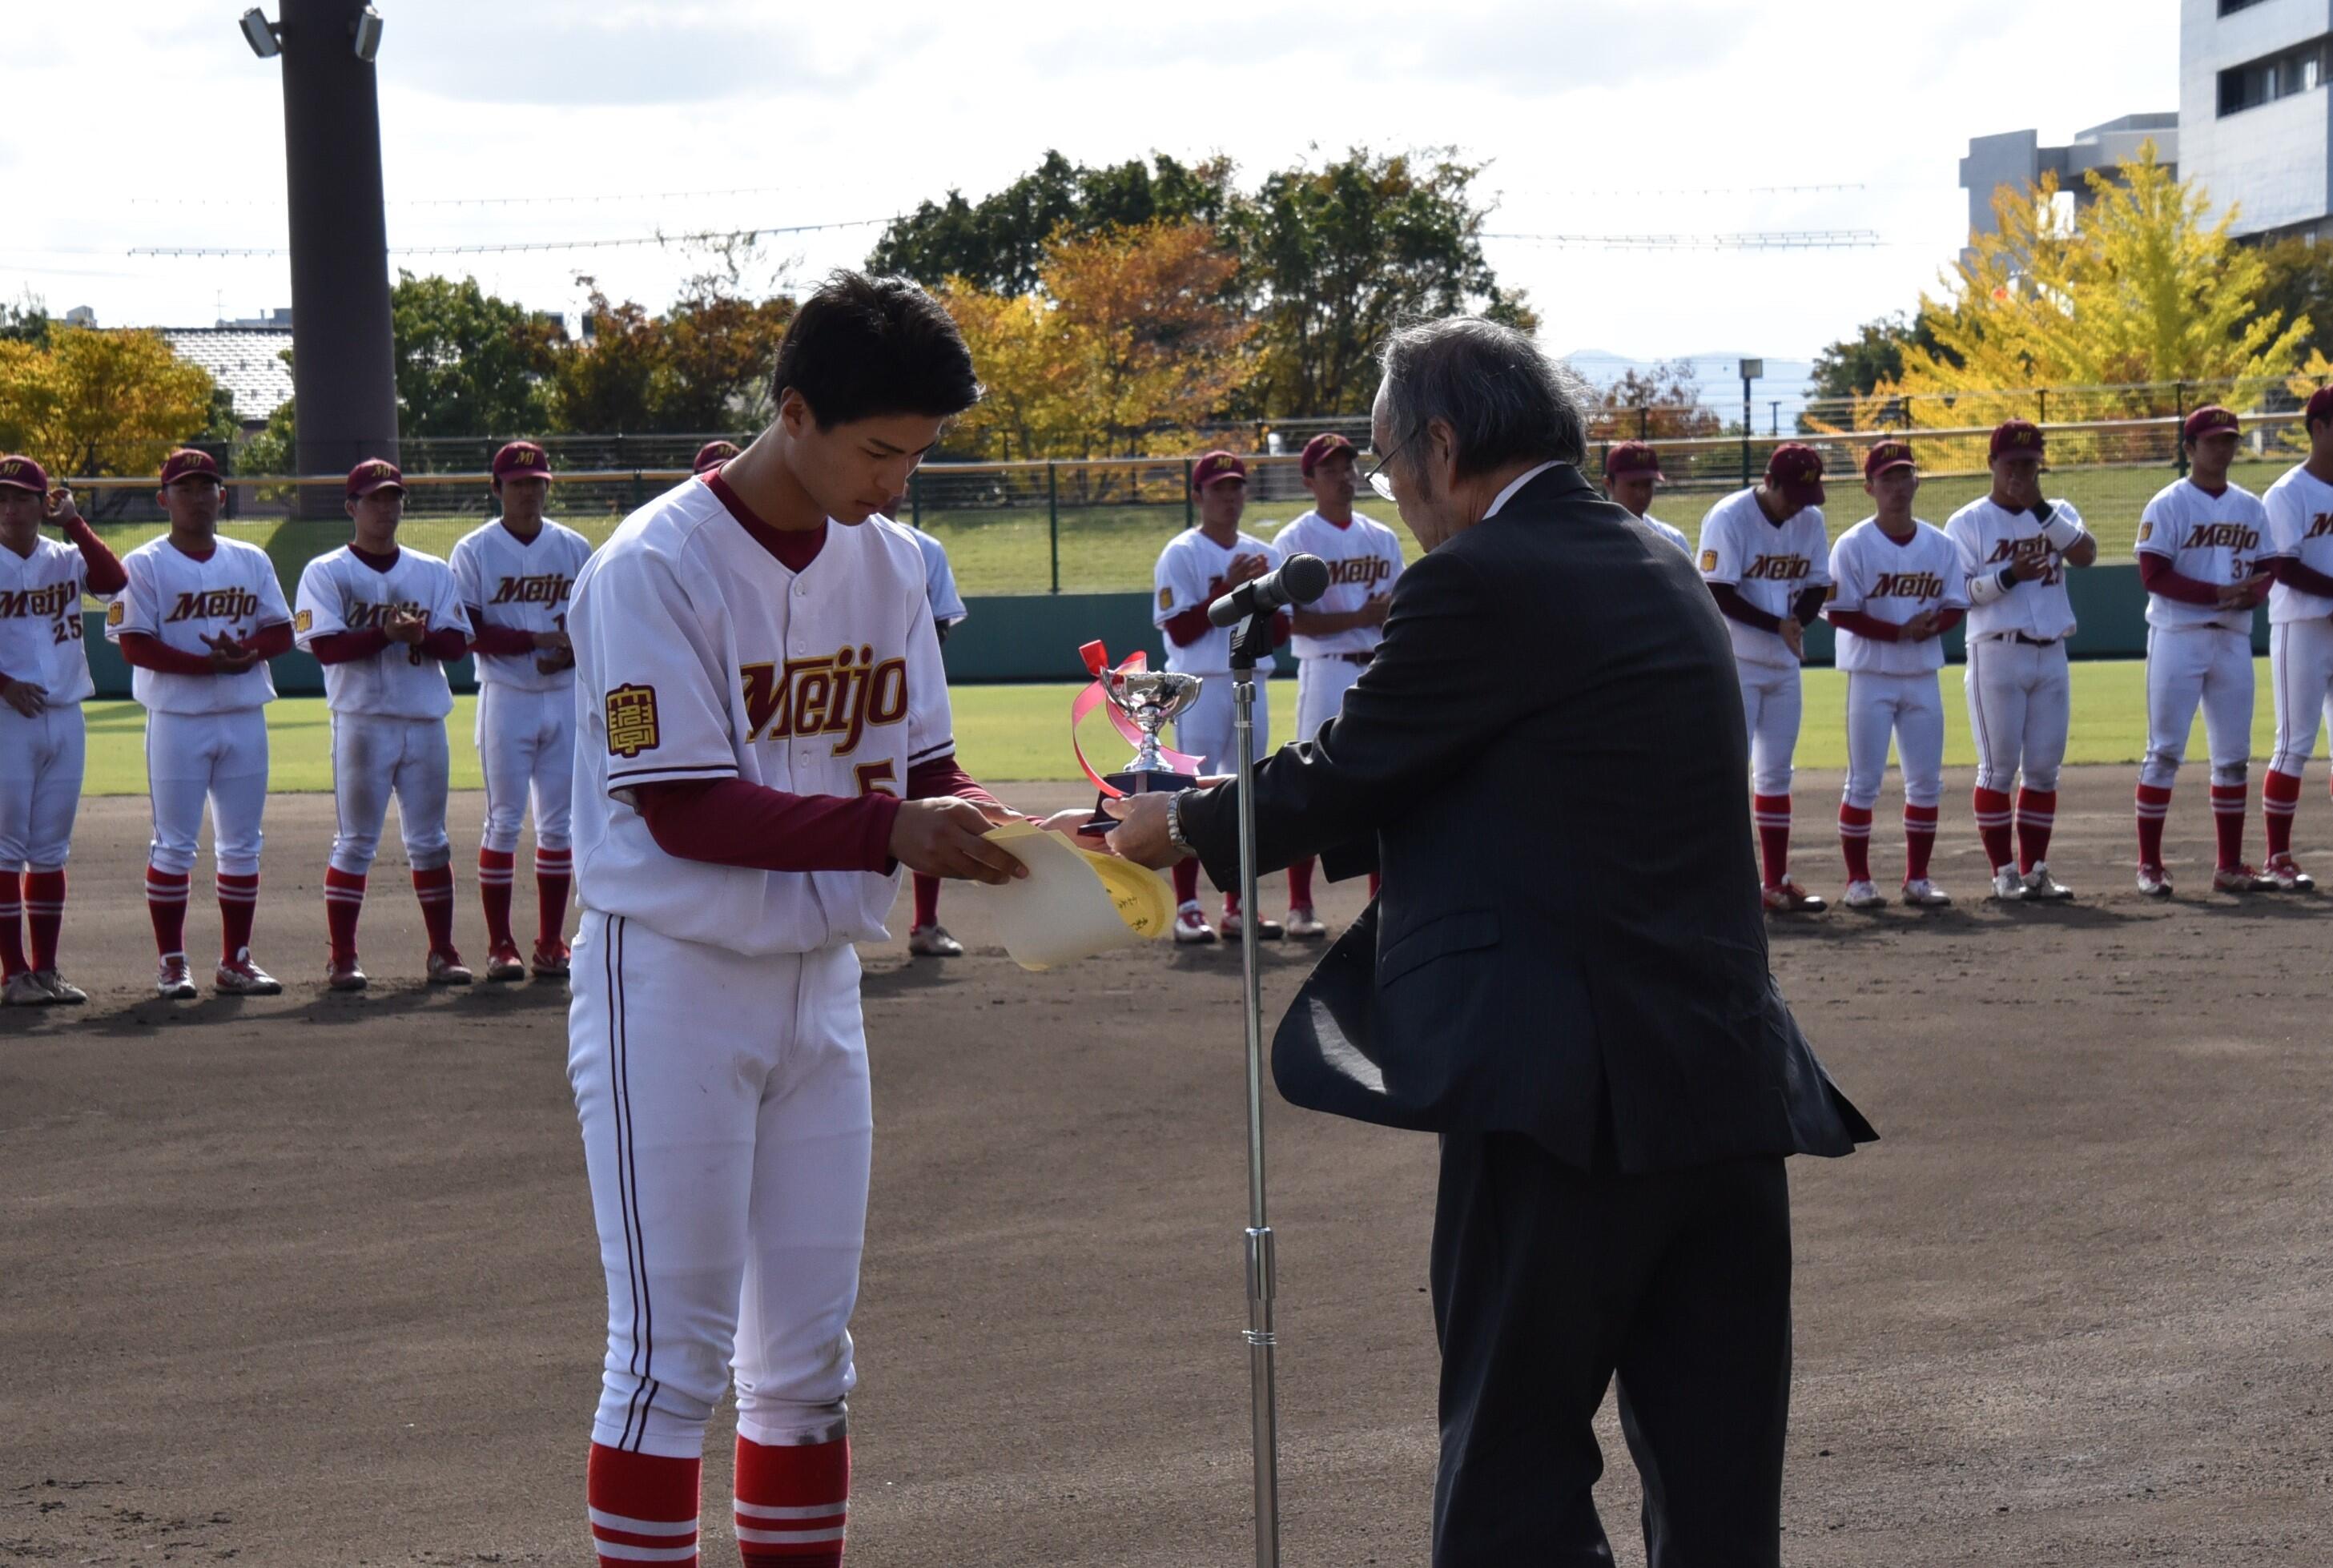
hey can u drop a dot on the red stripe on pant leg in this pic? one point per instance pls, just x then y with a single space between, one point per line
2228 804
642 1500
238 902
1919 840
166 906
495 870
12 925
793 1503
44 914
2280 799
434 890
2150 803
1773 815
1991 808
344 894
1855 841
2037 814
553 875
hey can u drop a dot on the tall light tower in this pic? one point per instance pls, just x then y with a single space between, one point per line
343 368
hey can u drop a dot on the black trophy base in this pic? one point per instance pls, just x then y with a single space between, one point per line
1134 784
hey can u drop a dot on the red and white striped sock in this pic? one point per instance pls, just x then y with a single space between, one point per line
2228 806
344 893
12 925
1855 841
2037 814
434 890
1773 815
2280 799
1919 840
643 1508
1991 807
496 872
2153 804
793 1503
238 902
166 906
44 914
554 872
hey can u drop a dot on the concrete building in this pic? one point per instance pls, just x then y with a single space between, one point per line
2254 128
2017 158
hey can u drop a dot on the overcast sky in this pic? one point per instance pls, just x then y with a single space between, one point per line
147 122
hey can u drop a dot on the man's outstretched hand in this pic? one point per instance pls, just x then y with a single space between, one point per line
1140 835
943 837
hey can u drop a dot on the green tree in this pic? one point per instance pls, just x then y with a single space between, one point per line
1851 367
26 321
2299 285
469 363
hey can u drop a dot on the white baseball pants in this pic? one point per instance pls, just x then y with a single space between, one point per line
1206 726
220 758
1320 687
374 757
2300 669
1911 710
2020 707
40 761
526 742
1771 699
2209 666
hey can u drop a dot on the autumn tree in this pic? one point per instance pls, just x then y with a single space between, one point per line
469 363
599 383
95 402
1662 402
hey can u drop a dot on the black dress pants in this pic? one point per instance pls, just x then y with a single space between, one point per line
1547 1281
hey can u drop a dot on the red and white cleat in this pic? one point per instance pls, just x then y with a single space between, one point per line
2154 881
933 942
2241 879
2044 889
1191 925
1265 930
1923 894
2286 873
1304 925
173 980
342 975
239 976
550 963
504 964
447 968
1789 898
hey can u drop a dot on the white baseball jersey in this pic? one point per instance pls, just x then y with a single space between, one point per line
1768 566
178 600
40 618
524 586
2215 539
939 578
1194 571
1990 537
339 592
1364 558
2299 508
700 656
1673 535
1892 582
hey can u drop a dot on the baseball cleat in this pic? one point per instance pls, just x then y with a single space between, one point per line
447 968
2241 879
1191 925
2286 872
59 989
1863 896
21 990
1265 930
1305 926
345 976
1923 894
1789 898
933 941
550 963
2154 881
2008 887
2044 889
172 980
503 963
239 976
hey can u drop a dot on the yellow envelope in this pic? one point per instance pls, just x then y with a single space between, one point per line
1074 902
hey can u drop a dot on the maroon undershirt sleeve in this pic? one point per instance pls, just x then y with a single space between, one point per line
145 651
2294 575
1864 625
1188 627
2154 571
1809 605
271 641
733 821
341 647
1948 619
499 640
445 644
943 775
104 567
1733 605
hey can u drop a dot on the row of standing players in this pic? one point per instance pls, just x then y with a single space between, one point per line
197 617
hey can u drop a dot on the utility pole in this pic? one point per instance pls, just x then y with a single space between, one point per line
1750 370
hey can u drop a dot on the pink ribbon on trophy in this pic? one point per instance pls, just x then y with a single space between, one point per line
1096 660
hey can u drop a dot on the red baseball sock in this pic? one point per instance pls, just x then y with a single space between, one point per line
2037 814
344 893
2280 798
1773 815
1375 882
2227 801
643 1507
1231 904
1993 826
434 889
1300 884
1919 840
927 901
238 902
554 873
12 925
44 914
1187 881
166 906
496 872
1855 841
793 1503
2154 805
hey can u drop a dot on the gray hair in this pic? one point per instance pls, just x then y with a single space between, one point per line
1504 399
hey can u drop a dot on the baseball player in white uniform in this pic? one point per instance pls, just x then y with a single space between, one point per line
765 739
1632 471
43 679
1766 559
1337 635
2301 632
515 575
1895 588
2015 548
2202 547
927 937
198 622
1198 566
384 622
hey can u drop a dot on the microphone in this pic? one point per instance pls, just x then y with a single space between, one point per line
1301 580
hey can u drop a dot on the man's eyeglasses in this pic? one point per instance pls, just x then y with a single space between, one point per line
1380 480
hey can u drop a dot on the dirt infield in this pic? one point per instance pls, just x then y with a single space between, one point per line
311 1279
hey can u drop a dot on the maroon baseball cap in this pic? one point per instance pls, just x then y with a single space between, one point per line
187 461
522 460
1632 458
2015 438
1319 450
2321 406
1214 466
18 472
712 455
1796 471
1885 455
2211 416
374 474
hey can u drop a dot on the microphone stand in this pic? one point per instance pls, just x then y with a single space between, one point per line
1252 641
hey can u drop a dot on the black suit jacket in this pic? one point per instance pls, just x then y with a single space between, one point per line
1546 763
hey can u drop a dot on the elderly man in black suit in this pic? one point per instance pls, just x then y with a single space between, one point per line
1565 976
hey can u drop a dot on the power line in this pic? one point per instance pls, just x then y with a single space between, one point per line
1770 239
544 245
593 199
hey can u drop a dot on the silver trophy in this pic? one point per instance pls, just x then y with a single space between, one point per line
1149 697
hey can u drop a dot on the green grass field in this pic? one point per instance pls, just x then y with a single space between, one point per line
1021 732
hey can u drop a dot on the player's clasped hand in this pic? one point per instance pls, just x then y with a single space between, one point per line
1794 636
23 696
943 837
229 657
2245 592
408 630
2030 568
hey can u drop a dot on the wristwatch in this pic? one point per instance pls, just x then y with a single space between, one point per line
1175 822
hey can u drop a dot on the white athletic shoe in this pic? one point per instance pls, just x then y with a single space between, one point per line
1789 898
1266 930
239 976
1191 924
172 980
447 968
2286 872
2008 887
1304 925
503 964
59 989
1863 896
2154 881
1923 894
933 942
25 989
2241 879
2044 889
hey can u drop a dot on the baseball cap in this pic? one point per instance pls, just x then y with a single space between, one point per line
20 473
1632 458
2015 438
1885 455
374 474
522 460
2211 416
187 460
1319 450
1795 470
712 455
2321 406
1214 466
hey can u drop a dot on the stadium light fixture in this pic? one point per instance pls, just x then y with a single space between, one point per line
260 33
367 30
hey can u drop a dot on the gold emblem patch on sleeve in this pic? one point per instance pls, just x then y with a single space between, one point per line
115 612
302 621
2146 531
1709 561
631 720
1166 599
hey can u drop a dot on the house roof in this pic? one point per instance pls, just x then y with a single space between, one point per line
247 360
